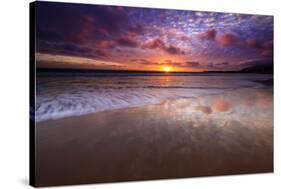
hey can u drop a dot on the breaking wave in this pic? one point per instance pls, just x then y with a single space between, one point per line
58 97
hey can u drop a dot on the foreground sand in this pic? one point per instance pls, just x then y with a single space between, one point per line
214 135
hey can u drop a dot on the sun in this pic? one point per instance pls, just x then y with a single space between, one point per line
167 68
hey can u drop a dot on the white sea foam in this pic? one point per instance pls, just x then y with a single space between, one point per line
59 97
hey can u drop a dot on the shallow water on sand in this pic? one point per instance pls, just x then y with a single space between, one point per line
230 133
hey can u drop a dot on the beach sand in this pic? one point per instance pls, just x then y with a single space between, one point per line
231 133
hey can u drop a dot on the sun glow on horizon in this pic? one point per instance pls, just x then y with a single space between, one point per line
167 68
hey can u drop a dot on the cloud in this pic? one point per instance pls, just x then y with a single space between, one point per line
228 39
127 41
159 44
266 47
106 44
154 44
208 35
97 26
171 49
267 53
210 65
252 42
122 33
65 60
187 64
198 65
193 64
138 29
123 41
70 49
100 53
143 61
222 64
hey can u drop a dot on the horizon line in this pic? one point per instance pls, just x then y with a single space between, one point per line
116 70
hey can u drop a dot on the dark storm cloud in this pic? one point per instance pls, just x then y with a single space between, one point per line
80 22
60 24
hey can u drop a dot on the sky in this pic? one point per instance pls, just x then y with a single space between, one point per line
80 36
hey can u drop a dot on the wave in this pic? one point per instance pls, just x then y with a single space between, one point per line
74 103
58 97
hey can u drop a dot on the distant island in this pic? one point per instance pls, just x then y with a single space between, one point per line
260 69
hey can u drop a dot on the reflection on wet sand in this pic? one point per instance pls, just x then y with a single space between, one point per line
221 106
204 109
223 134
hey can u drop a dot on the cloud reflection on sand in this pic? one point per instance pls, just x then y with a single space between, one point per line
221 106
264 99
204 109
212 135
252 101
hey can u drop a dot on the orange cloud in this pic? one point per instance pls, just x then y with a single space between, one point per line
209 34
228 39
159 44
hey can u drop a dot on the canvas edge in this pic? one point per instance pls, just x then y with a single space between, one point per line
32 174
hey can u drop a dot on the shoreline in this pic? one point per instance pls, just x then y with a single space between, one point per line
266 83
176 138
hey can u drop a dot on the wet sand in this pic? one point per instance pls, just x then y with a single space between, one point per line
213 135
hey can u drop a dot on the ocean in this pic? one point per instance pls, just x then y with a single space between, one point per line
61 95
